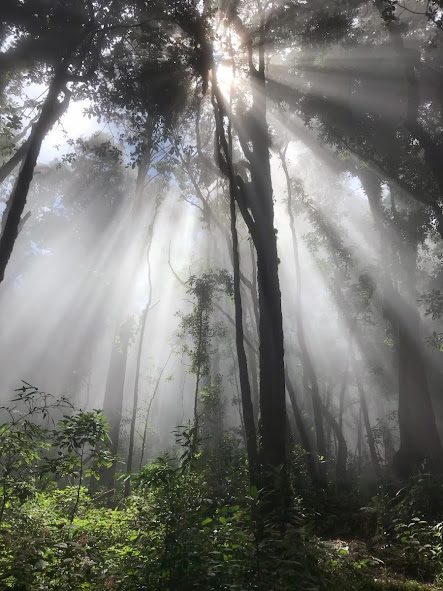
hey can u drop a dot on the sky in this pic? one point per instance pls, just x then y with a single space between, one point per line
72 125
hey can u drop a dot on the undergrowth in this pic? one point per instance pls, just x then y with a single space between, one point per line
190 521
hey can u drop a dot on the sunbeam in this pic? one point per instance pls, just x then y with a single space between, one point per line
221 301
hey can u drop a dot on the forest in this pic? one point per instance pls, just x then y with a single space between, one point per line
221 295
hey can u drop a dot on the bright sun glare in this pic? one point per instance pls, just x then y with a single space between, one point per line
226 79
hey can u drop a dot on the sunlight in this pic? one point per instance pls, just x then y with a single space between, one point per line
227 51
221 295
226 79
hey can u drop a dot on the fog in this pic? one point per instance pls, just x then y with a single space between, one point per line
102 254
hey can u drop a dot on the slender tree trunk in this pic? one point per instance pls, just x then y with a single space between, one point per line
113 401
253 372
135 400
369 435
252 309
8 167
419 438
358 451
238 399
261 226
79 487
253 288
271 351
148 412
308 367
14 160
251 305
341 445
245 388
311 463
198 375
17 201
139 357
338 432
328 428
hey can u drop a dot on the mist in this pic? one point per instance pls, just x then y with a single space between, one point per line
225 225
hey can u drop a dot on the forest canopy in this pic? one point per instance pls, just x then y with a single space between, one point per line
221 248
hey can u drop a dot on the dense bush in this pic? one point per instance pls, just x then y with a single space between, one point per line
410 526
192 520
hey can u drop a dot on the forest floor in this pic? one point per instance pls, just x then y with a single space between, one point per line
382 566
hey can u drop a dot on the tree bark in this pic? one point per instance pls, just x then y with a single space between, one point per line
271 351
338 432
148 412
260 222
113 401
50 111
14 160
308 367
139 357
311 463
369 435
245 387
419 437
342 450
8 167
198 374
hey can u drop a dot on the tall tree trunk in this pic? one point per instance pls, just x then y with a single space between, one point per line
113 401
308 367
272 383
245 388
253 372
51 110
139 356
338 432
253 286
148 411
258 195
8 167
198 376
129 461
342 451
311 463
358 450
271 351
369 435
329 431
419 437
238 399
254 315
115 398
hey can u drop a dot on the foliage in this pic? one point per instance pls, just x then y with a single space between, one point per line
22 441
192 521
433 303
422 547
79 439
197 325
410 521
186 525
72 442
